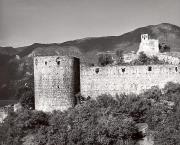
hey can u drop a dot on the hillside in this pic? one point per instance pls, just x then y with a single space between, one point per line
16 64
130 41
8 51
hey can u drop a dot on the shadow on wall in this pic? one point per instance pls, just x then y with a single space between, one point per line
76 68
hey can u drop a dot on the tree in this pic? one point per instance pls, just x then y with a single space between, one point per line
164 48
19 125
25 93
143 58
105 59
104 121
120 58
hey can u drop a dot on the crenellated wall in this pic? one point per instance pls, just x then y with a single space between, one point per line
57 80
126 79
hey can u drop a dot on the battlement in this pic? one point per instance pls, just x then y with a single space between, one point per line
144 37
52 61
129 70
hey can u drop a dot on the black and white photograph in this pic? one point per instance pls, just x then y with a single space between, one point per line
89 72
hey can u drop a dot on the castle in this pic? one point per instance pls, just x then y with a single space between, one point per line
59 78
151 48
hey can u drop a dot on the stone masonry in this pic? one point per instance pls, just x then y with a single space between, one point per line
126 79
57 80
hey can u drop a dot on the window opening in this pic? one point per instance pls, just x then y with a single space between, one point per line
97 70
149 68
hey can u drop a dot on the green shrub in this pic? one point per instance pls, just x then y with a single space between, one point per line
105 59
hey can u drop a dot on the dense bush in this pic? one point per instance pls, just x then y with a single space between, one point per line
104 121
143 59
164 48
25 93
120 57
94 122
105 59
16 126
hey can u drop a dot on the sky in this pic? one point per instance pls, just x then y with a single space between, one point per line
23 22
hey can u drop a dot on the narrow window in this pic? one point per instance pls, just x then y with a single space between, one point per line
45 62
97 70
149 68
123 70
176 69
58 62
36 61
58 86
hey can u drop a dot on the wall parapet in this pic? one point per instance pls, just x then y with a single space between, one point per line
124 70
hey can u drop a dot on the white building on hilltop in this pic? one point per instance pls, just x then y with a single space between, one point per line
148 46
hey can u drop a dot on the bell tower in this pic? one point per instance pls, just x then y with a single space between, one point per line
144 37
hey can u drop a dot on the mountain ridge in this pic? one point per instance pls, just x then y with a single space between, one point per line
124 36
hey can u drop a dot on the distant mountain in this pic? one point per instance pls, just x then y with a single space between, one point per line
88 47
165 32
16 63
8 51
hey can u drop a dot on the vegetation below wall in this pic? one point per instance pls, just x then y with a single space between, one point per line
143 59
105 121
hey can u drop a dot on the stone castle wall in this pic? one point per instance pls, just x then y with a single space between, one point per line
57 80
126 79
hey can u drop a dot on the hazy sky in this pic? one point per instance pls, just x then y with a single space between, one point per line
23 22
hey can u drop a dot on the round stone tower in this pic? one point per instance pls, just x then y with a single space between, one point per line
56 81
